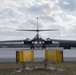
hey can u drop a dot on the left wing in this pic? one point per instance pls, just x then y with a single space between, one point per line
15 43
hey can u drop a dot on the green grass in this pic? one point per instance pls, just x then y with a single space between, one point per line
9 69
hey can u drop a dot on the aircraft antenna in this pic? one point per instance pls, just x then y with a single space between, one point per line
37 29
37 23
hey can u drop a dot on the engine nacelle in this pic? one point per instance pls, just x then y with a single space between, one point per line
48 42
28 42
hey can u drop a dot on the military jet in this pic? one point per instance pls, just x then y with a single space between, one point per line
37 41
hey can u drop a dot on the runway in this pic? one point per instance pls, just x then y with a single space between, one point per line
9 54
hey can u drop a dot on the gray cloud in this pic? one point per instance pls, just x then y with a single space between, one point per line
35 9
6 13
68 5
58 14
48 18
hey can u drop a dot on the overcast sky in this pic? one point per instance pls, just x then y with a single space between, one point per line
22 14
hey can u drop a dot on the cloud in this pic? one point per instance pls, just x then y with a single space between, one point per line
69 5
21 14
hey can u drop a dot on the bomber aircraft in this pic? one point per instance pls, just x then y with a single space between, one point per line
37 41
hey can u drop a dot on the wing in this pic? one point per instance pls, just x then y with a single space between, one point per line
66 44
15 43
11 41
37 30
